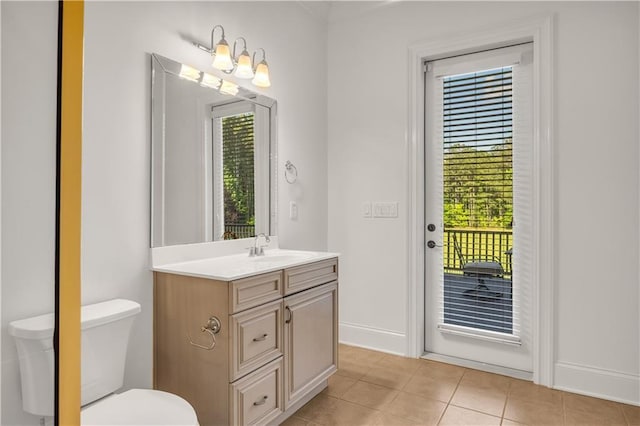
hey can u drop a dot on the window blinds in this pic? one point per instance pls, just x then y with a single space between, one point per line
238 174
477 134
477 139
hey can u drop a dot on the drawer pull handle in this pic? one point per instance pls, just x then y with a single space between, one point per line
261 338
288 309
262 401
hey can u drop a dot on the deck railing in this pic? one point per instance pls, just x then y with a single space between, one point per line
234 231
477 245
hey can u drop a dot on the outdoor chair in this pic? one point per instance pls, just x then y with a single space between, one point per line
488 266
485 267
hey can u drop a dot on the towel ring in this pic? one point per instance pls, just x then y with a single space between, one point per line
213 327
290 172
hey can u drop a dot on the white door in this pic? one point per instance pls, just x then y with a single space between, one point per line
477 181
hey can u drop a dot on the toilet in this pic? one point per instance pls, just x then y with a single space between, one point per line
105 336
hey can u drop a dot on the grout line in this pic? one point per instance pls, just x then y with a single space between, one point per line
506 401
457 386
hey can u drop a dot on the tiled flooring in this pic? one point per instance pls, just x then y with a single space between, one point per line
372 388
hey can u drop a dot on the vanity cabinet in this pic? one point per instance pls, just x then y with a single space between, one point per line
247 351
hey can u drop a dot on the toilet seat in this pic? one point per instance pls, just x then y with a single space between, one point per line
140 407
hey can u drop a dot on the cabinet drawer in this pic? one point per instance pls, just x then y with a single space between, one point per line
306 276
253 291
257 398
256 338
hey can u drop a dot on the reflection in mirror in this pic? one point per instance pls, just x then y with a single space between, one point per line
213 158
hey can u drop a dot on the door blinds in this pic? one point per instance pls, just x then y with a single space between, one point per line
477 126
484 127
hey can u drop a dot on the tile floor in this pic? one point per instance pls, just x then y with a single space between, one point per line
373 388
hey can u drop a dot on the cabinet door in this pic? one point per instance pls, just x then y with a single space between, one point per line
310 339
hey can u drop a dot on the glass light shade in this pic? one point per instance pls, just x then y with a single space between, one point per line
244 70
261 78
229 88
189 73
211 81
222 57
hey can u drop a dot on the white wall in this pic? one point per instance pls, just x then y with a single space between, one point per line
119 36
595 192
29 58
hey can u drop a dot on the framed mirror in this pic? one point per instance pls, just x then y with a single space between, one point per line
214 152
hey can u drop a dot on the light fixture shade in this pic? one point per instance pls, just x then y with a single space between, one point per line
189 73
222 57
245 69
261 78
209 80
229 88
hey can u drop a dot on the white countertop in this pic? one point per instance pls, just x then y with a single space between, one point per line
236 266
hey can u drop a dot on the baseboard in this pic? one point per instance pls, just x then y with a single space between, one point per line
373 338
599 383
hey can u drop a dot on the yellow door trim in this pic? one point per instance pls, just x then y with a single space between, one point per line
69 179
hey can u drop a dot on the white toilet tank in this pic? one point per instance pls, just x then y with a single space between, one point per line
105 335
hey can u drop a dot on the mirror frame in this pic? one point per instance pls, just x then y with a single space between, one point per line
160 67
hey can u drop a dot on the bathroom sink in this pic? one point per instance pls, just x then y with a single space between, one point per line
236 266
279 256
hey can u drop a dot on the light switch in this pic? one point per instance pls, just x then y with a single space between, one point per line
366 209
293 210
385 209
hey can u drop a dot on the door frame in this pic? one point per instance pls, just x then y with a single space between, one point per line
540 31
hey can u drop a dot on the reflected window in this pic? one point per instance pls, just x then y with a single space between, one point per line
234 175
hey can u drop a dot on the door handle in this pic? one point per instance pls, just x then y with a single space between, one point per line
290 315
432 244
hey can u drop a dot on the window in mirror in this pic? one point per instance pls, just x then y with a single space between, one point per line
234 177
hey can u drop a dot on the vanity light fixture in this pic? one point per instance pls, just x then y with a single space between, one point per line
220 52
244 69
189 73
211 81
240 65
261 78
229 88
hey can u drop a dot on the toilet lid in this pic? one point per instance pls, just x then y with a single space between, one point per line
140 407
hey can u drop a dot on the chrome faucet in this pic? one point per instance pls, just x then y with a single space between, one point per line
258 250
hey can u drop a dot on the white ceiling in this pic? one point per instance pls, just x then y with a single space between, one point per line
336 10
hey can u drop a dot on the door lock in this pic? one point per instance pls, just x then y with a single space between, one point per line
431 227
432 244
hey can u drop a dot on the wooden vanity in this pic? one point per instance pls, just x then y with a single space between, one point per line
276 346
